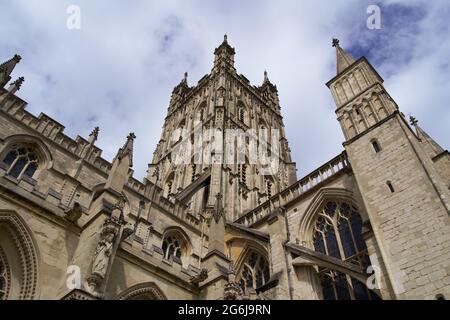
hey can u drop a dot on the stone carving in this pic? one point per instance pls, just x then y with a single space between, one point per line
74 213
104 249
232 290
102 254
198 278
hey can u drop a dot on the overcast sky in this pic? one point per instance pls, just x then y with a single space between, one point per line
119 69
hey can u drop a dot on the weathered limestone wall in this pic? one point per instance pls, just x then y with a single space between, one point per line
55 241
411 225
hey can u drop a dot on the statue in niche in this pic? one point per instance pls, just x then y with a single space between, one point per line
102 255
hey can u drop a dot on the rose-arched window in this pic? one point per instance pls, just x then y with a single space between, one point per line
338 233
255 271
21 160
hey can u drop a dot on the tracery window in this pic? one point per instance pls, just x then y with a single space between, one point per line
338 233
21 160
255 271
172 247
5 276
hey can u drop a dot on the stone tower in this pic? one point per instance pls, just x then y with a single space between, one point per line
192 163
398 174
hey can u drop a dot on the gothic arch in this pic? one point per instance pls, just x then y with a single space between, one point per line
242 112
35 158
142 291
256 273
41 148
168 185
250 246
308 219
20 252
183 240
332 226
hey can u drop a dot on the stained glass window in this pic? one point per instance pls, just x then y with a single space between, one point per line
338 233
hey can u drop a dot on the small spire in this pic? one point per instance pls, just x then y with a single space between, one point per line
184 81
266 78
224 54
94 135
343 59
6 69
127 149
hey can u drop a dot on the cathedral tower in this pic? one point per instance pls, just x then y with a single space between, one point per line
210 142
402 187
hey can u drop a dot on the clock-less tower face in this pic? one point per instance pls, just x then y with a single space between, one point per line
223 136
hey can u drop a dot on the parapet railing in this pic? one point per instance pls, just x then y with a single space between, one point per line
302 186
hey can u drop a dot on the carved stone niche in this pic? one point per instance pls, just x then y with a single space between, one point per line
103 252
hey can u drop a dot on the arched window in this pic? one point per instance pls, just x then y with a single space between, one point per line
255 271
172 247
390 186
338 233
20 161
169 185
376 146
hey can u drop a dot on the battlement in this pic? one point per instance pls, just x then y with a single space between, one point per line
44 126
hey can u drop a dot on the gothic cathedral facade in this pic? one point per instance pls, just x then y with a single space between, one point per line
371 223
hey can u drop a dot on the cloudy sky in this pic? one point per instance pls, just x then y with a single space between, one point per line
118 70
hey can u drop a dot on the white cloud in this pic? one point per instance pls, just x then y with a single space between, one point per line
118 71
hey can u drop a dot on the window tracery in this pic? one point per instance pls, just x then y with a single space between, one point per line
338 233
255 271
21 160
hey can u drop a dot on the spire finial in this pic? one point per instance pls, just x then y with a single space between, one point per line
225 38
127 149
131 136
343 59
266 78
94 135
335 42
18 83
413 121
